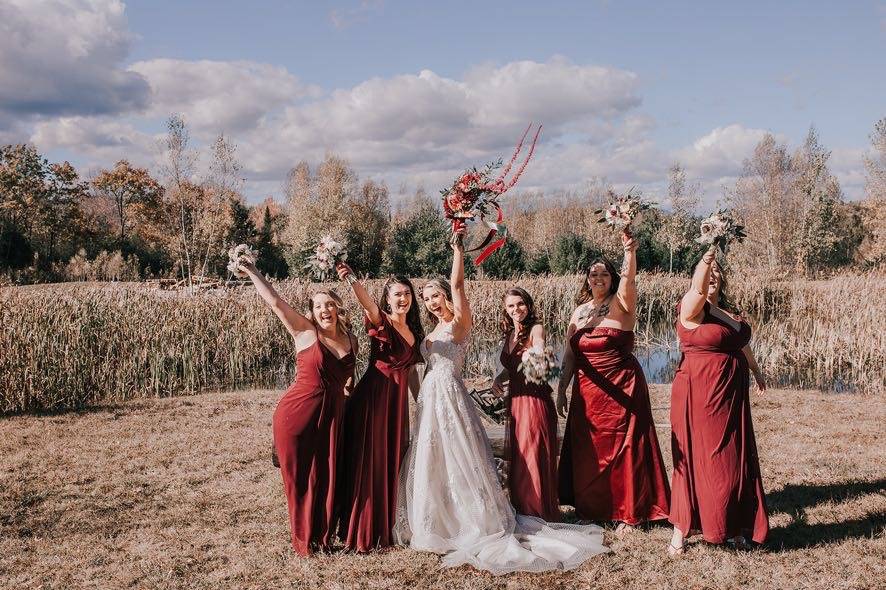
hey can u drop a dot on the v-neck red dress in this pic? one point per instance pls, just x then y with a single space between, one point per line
530 442
307 426
376 435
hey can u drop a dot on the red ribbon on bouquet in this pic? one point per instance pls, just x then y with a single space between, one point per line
475 193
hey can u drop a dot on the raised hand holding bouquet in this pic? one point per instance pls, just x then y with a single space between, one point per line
240 254
623 210
721 229
327 254
539 366
476 192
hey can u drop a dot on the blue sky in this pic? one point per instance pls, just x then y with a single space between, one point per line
411 92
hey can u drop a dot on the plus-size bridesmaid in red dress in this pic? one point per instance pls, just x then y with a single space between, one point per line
611 466
376 425
531 435
716 481
307 421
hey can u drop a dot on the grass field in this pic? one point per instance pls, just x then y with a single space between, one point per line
180 493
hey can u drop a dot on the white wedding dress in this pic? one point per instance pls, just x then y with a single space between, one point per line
450 500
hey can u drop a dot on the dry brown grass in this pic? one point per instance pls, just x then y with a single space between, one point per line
180 493
72 346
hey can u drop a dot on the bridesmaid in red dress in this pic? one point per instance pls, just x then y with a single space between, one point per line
307 420
531 436
716 481
376 425
611 466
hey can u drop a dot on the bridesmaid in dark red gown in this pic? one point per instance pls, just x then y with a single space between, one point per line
307 421
716 481
376 425
611 466
531 435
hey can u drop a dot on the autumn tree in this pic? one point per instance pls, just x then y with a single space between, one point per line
872 250
679 225
368 222
40 206
130 190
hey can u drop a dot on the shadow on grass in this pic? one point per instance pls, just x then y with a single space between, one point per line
795 499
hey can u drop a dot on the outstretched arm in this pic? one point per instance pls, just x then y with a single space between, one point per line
460 306
627 287
360 292
294 322
694 299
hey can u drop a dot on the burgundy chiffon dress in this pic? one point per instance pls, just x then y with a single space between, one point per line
716 482
376 435
307 424
530 441
611 466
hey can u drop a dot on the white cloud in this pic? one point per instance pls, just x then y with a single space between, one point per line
63 57
101 141
721 152
216 96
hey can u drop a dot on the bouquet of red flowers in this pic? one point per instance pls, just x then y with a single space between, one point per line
476 192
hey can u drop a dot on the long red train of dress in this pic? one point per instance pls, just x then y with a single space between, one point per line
530 442
611 466
307 426
376 435
716 482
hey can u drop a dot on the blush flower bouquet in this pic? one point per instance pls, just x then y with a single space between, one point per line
327 253
237 255
623 210
721 229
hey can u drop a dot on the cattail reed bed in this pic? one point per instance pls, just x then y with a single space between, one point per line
70 346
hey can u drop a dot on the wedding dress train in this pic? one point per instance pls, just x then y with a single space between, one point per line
450 500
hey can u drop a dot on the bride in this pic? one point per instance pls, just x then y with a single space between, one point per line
450 500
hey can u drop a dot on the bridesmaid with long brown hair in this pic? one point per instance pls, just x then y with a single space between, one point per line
611 466
376 424
307 421
531 435
716 482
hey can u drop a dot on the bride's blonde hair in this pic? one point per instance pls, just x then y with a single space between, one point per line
443 285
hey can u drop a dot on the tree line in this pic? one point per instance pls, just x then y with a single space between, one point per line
129 223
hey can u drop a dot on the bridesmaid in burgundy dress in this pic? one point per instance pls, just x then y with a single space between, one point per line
376 425
716 481
531 439
611 466
307 421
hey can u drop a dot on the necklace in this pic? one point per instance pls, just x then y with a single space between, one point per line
589 312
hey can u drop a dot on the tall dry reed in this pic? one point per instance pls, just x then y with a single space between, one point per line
70 346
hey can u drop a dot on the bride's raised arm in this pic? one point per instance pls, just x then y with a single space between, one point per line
460 306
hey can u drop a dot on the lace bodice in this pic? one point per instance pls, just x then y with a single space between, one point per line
444 352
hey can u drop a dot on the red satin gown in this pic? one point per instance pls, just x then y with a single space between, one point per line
376 435
716 482
531 442
611 466
307 425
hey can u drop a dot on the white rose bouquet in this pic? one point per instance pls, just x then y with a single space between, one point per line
327 254
241 253
539 366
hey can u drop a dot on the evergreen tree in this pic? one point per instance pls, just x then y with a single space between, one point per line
270 255
572 254
506 262
419 245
